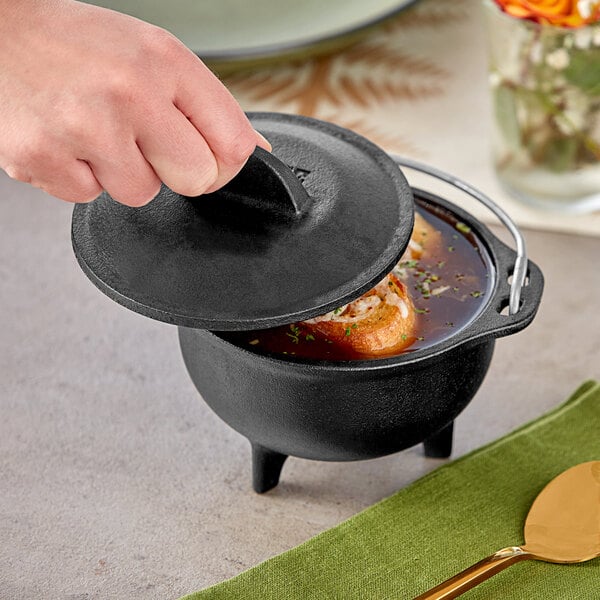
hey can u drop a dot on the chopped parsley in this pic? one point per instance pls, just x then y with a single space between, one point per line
409 264
463 228
295 335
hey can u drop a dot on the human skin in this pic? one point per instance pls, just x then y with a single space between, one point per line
92 100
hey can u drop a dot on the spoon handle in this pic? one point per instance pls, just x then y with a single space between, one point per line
474 575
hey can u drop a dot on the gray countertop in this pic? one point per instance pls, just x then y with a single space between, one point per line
117 481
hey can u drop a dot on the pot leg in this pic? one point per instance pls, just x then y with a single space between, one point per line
439 445
266 468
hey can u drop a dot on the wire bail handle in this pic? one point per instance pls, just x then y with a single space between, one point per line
520 268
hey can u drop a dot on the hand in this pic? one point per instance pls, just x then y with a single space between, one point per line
96 100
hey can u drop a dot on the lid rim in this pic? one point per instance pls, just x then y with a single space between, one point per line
183 320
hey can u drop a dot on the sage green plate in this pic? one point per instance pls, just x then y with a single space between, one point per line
236 33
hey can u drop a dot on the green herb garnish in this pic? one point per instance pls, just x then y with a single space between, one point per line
463 227
409 264
295 335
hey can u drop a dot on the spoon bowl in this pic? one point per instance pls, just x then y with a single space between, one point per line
562 526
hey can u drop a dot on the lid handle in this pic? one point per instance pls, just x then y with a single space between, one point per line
267 183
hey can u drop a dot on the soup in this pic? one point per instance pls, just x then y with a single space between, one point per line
437 287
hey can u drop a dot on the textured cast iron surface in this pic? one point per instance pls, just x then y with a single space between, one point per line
266 249
330 414
358 409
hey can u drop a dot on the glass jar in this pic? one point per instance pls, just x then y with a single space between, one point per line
545 86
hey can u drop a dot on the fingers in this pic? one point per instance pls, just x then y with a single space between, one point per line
214 112
179 154
72 180
157 115
125 174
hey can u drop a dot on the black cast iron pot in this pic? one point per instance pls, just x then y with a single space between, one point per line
297 233
342 411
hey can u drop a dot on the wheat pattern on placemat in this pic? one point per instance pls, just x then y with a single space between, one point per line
349 87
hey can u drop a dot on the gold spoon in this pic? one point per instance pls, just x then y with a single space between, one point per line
563 526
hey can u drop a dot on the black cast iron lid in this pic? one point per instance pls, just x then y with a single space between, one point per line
294 235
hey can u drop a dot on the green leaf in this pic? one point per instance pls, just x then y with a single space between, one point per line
506 115
584 70
560 154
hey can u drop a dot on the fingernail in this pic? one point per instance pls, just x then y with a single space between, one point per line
265 142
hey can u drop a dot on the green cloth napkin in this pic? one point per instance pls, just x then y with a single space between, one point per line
443 523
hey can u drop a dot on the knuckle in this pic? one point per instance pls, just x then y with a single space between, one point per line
121 87
71 190
146 195
81 193
89 192
202 180
159 43
238 149
140 195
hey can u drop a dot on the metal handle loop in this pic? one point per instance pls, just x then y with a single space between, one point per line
520 268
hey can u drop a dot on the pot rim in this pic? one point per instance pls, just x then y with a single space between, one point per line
486 324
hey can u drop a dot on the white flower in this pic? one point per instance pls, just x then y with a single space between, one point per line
575 113
559 59
583 38
536 53
586 7
495 79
